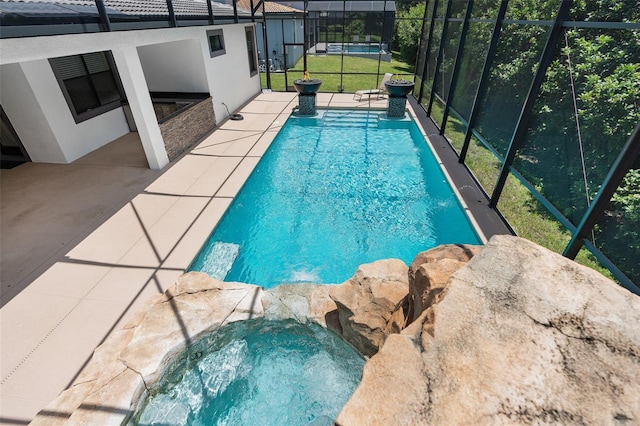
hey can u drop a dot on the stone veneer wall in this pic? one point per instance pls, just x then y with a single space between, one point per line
183 130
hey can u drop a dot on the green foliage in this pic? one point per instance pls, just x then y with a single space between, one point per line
605 67
605 70
408 26
619 234
523 212
354 27
532 10
627 198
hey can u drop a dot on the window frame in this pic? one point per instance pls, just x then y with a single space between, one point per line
99 110
220 34
252 57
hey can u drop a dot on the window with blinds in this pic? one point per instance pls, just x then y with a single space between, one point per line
88 82
251 51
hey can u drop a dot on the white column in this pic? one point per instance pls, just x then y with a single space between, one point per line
135 87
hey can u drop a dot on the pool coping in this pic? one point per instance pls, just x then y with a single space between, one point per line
487 220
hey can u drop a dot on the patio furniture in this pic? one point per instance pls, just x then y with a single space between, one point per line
379 92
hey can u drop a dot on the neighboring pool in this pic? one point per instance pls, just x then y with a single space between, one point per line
333 192
354 48
256 372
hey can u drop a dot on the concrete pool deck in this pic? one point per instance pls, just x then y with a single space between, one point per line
131 242
77 263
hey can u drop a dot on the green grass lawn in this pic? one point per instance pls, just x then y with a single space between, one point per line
359 73
528 218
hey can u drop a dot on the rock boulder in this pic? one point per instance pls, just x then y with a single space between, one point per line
368 303
430 271
521 336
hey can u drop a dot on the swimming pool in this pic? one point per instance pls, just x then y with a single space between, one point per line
355 48
332 192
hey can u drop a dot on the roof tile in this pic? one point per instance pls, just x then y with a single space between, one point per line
149 8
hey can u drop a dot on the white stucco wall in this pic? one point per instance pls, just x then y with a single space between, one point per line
174 67
75 140
132 77
228 75
25 113
53 129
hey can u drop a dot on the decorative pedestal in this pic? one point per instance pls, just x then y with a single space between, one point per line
307 104
396 106
307 89
398 91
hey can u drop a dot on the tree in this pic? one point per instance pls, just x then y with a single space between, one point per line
408 26
568 165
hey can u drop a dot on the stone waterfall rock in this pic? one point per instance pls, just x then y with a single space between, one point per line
368 303
303 302
521 336
430 271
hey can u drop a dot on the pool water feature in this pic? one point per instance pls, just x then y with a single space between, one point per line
257 372
335 191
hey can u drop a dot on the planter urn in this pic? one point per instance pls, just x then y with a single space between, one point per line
398 91
307 89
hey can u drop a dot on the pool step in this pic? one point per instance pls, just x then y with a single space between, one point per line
352 119
220 259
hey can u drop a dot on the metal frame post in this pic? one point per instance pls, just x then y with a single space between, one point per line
424 21
484 79
172 14
384 23
266 44
344 24
235 11
104 16
210 11
428 48
625 160
445 27
456 67
521 127
304 38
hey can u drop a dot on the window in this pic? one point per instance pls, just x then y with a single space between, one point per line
251 51
216 43
89 83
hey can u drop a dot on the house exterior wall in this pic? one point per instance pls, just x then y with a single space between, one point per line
228 75
25 113
75 139
174 67
43 121
279 31
36 106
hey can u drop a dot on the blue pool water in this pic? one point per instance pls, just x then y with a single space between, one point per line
331 193
257 372
353 48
